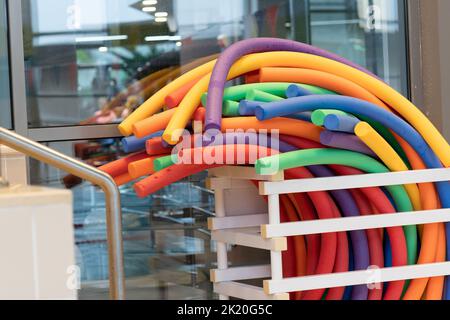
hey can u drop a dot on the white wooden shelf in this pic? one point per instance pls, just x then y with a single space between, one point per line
355 223
241 273
355 181
357 278
249 237
246 292
265 231
245 221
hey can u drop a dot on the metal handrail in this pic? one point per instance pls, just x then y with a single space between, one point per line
95 176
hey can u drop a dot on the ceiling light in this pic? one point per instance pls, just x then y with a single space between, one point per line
161 14
179 44
149 2
101 38
149 9
162 38
103 49
160 19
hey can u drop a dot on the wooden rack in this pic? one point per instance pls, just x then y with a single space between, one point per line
243 219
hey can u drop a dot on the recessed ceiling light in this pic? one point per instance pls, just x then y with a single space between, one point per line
149 9
179 44
101 38
149 2
161 14
161 19
103 49
163 38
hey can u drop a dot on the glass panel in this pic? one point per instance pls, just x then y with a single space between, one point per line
5 102
81 54
368 32
168 251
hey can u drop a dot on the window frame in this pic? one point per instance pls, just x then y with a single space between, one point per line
18 83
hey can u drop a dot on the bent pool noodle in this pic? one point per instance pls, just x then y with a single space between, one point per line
346 158
237 138
374 141
237 93
289 147
120 167
247 108
157 182
293 59
359 107
245 47
258 95
383 205
134 144
387 94
345 141
318 119
386 118
359 238
318 116
230 108
155 147
297 91
244 65
421 196
174 99
156 102
340 123
178 172
348 205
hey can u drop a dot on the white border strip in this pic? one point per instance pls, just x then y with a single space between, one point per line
357 278
356 181
355 223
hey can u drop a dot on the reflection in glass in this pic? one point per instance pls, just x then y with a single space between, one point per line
5 103
168 251
94 62
368 32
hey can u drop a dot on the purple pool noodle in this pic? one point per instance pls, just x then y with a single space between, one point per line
245 47
340 123
251 139
359 238
133 144
345 141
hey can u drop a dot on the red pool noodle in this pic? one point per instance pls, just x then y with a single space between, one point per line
174 99
120 167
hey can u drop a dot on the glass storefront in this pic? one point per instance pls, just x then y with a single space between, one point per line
91 62
81 56
5 102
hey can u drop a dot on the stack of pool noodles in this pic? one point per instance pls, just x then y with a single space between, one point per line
334 118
